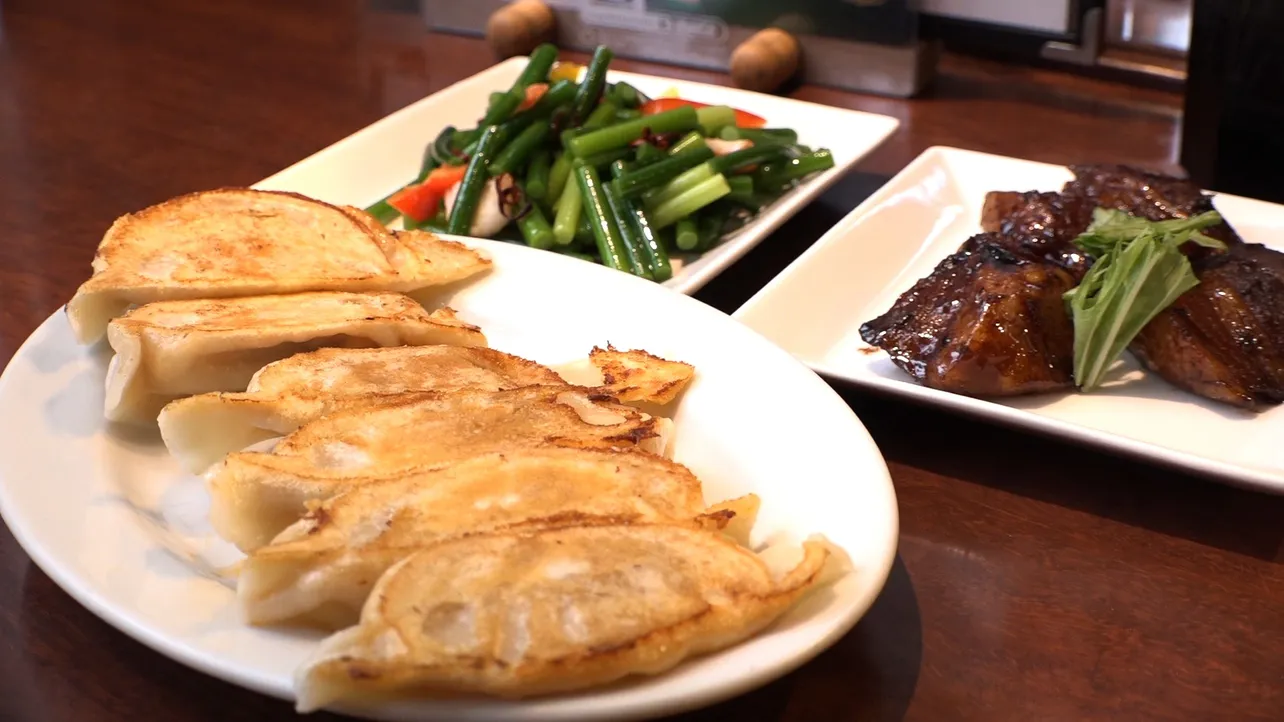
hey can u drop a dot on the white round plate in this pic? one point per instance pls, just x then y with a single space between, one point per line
111 518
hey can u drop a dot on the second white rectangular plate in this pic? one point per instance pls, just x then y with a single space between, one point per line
815 307
385 155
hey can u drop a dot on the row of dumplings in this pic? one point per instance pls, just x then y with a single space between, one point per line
460 520
197 293
467 521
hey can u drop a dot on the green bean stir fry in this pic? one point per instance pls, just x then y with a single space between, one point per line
566 161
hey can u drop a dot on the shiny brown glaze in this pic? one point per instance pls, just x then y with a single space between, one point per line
1045 224
984 323
1224 339
1138 191
1042 225
1155 196
1219 339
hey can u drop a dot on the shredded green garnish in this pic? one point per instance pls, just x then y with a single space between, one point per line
1138 272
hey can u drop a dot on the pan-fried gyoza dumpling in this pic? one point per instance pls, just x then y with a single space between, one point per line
639 376
169 349
200 430
634 377
240 242
518 615
320 570
255 495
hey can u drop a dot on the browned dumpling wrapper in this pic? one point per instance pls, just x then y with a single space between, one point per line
517 615
256 495
169 349
320 570
235 242
200 430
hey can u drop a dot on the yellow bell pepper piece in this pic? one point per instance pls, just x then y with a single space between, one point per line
565 71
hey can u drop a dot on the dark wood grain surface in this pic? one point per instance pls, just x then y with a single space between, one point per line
1035 580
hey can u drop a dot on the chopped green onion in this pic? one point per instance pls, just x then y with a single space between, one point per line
442 148
609 243
514 155
779 174
606 158
668 212
558 174
656 257
690 140
622 134
535 229
655 175
537 176
470 188
679 185
590 90
583 232
568 215
741 184
747 157
760 136
648 154
686 237
712 118
602 116
712 225
536 71
631 240
558 95
742 193
626 95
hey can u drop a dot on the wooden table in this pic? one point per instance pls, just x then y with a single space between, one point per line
1035 580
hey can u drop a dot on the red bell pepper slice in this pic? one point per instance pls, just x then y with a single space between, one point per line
443 177
421 201
534 92
744 119
416 202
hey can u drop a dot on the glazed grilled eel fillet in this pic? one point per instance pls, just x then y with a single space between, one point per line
240 242
1039 225
1220 340
1224 339
1045 225
986 322
319 571
169 349
255 495
990 321
517 615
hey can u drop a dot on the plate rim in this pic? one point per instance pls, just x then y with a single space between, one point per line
988 410
132 621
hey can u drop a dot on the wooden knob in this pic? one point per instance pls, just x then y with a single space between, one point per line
518 27
766 60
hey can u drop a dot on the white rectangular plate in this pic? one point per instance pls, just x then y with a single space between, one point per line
384 156
815 307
